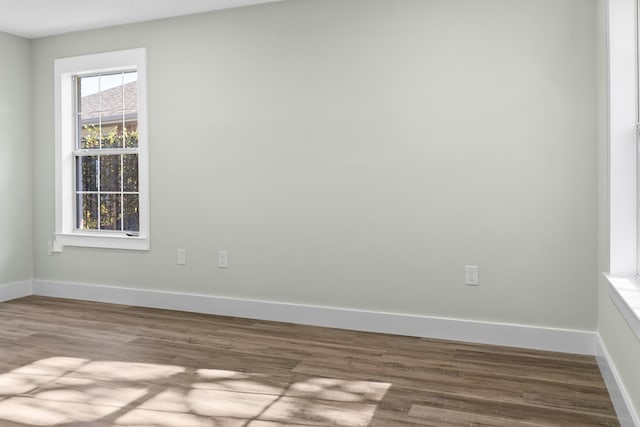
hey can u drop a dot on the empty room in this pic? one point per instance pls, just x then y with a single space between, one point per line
341 213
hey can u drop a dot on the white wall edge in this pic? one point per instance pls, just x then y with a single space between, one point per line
15 290
625 411
524 336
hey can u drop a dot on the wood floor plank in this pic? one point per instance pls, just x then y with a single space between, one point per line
497 349
77 363
295 345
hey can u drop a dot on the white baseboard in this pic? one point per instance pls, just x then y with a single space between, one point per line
15 290
570 341
627 415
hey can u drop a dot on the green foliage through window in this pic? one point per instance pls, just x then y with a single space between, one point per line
107 184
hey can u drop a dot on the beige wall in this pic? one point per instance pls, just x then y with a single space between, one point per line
15 161
359 154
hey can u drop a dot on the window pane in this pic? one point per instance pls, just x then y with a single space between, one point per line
110 173
89 112
112 131
131 109
89 135
130 76
130 93
130 172
131 129
108 82
87 208
110 215
131 214
107 111
111 110
89 100
86 173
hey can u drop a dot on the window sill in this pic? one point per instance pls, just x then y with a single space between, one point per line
89 240
625 294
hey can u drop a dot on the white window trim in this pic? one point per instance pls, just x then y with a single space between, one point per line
623 160
64 70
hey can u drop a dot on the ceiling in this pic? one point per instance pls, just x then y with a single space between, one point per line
40 18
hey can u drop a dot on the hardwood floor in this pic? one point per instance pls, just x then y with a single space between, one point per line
73 363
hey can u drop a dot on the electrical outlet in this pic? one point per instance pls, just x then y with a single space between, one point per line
223 259
471 275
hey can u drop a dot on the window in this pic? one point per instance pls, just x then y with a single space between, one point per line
637 120
623 159
106 152
102 197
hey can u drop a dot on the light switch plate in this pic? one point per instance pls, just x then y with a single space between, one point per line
181 257
223 259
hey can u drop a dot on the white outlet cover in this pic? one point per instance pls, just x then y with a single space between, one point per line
471 275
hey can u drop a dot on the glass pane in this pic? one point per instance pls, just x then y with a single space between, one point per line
130 76
111 107
131 129
131 214
130 172
111 97
87 208
110 215
87 173
89 135
110 173
130 93
131 109
89 100
112 132
110 86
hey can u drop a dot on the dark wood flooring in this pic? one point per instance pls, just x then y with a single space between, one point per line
73 363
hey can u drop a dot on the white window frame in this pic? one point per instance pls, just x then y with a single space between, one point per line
66 133
624 211
637 135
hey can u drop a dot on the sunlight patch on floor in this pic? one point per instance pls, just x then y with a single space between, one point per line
38 411
64 390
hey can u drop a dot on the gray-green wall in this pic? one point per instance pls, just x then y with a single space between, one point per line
358 154
354 154
15 160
